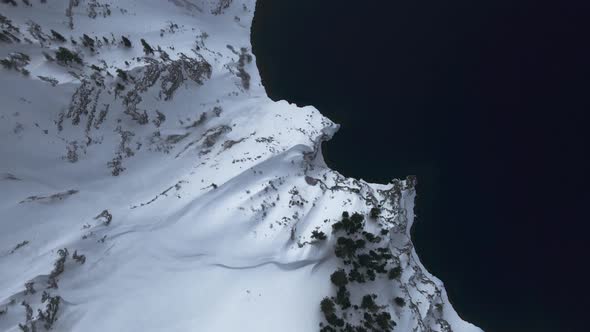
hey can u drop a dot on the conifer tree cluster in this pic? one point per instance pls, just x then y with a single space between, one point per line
365 258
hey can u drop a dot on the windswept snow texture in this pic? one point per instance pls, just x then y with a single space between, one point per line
153 186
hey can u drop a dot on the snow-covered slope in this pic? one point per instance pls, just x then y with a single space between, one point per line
155 187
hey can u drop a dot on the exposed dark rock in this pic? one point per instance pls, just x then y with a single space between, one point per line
51 198
105 216
221 6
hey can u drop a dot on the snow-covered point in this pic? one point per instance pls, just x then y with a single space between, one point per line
147 183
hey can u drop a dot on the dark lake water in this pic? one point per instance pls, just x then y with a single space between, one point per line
487 103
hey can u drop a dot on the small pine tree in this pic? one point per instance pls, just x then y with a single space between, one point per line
66 56
335 320
87 41
395 273
318 235
7 64
375 212
327 306
122 74
147 49
343 298
355 275
126 41
371 274
57 36
339 278
399 301
368 303
119 87
384 321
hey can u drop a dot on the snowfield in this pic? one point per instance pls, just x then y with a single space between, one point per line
155 187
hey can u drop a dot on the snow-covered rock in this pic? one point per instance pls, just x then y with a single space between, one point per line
147 183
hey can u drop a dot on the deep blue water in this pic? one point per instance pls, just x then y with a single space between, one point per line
487 103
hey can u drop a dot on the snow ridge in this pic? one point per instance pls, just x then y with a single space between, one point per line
149 184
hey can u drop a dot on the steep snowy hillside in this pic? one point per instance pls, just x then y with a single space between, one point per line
148 184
